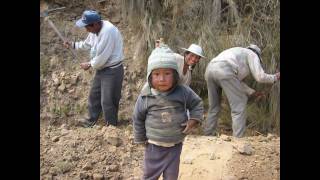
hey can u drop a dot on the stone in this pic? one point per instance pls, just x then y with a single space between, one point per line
64 132
116 176
116 18
54 61
187 161
63 74
62 87
88 151
113 168
64 166
112 149
243 177
54 170
102 158
70 91
74 79
64 126
47 177
261 138
213 156
115 141
270 136
225 137
104 128
55 138
98 127
229 178
66 157
56 82
87 166
44 171
75 158
97 176
245 148
83 175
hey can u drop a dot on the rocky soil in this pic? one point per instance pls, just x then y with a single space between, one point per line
70 152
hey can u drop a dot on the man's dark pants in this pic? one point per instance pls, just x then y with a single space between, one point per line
105 94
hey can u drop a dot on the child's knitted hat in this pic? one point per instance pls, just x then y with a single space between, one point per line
161 57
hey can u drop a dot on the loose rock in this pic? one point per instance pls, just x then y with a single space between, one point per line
97 177
55 138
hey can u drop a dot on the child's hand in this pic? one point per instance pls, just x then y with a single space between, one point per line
144 143
191 123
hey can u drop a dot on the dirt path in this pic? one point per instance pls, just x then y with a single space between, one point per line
204 158
226 157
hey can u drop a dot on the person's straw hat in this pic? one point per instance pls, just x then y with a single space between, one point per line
195 49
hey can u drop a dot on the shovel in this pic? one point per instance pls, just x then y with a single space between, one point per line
44 14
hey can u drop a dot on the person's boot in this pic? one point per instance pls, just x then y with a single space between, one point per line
210 133
86 123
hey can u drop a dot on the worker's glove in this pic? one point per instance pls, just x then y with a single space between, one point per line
141 143
258 95
144 144
189 125
278 76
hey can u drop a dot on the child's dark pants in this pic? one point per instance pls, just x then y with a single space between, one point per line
158 160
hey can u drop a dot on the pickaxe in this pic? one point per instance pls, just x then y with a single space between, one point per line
46 17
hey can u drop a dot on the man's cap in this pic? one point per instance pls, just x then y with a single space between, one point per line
195 49
88 17
255 48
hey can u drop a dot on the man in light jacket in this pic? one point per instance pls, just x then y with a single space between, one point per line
106 54
226 72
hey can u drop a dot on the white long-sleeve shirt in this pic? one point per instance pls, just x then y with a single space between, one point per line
185 79
244 61
106 48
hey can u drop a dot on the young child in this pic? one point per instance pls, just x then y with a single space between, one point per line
160 118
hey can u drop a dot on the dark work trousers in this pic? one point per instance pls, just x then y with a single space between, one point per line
158 160
105 94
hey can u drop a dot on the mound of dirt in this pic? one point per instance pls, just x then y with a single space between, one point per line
89 153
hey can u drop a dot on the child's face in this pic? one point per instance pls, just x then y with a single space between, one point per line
162 79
